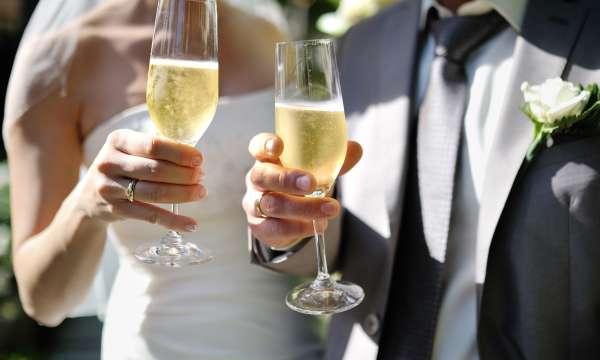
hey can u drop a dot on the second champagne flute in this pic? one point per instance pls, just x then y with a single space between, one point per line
182 96
309 118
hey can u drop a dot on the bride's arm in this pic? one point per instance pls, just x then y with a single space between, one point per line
56 247
59 223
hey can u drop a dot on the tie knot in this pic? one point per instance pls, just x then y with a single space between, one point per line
457 37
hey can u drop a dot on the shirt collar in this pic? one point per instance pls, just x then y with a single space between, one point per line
472 8
513 10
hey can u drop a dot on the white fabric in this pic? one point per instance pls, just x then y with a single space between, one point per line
488 70
97 298
227 309
360 345
512 10
41 62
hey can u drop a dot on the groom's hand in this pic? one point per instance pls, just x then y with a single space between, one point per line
278 212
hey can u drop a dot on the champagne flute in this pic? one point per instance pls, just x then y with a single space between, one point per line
309 118
182 95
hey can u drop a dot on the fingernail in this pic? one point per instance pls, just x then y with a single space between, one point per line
303 183
196 161
329 208
202 192
191 228
270 146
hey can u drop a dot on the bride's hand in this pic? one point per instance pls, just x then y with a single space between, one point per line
277 210
167 172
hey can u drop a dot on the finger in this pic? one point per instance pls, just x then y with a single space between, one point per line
271 177
155 215
150 192
280 233
283 206
154 147
135 167
158 193
353 156
266 147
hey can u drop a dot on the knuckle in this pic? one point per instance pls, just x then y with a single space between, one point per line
276 228
200 155
105 166
256 230
158 193
194 193
282 180
261 233
302 228
272 204
194 175
287 179
116 209
113 209
153 146
153 168
104 187
257 175
308 210
114 138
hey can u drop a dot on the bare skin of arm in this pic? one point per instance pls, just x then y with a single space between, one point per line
44 245
59 225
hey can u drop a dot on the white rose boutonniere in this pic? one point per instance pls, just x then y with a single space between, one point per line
557 107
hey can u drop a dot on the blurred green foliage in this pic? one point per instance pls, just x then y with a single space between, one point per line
5 262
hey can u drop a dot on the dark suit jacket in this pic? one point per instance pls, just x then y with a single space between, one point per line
538 237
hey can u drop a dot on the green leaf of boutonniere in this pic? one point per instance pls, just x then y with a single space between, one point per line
558 107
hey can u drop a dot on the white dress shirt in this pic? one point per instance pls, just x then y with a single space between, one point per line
487 72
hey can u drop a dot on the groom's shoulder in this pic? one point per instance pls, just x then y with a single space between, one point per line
366 37
396 13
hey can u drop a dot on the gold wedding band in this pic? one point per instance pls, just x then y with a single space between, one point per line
258 209
130 192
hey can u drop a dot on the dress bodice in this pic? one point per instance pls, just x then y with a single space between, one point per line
226 309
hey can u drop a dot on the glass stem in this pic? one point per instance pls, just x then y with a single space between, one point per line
323 279
173 237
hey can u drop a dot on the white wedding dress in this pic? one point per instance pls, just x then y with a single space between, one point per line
227 309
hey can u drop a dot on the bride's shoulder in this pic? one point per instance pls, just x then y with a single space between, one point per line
112 24
58 62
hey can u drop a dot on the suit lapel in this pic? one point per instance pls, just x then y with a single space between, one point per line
377 86
549 33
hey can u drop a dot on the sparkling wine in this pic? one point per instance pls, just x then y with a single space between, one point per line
182 97
315 139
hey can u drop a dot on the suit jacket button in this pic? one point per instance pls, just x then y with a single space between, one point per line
372 324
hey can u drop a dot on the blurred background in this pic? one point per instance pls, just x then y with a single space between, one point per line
20 337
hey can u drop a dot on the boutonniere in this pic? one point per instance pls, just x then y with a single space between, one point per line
560 107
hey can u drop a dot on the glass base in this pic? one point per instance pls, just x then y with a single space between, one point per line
325 297
171 253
